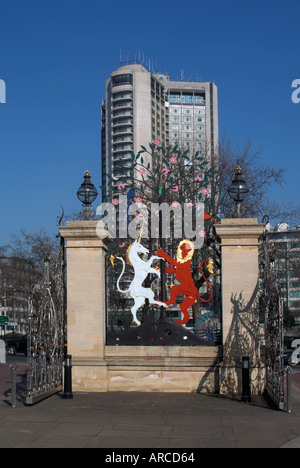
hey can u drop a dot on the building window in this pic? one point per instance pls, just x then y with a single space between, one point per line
119 80
175 98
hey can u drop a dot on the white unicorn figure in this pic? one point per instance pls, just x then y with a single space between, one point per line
141 270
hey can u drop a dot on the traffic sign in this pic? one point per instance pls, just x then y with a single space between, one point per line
3 319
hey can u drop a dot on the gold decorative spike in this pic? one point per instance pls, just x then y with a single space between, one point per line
210 267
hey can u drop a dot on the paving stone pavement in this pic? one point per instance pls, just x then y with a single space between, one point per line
121 420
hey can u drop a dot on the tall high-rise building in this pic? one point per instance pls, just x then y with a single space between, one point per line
141 106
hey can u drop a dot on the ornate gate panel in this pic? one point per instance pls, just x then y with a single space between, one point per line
272 306
46 330
135 317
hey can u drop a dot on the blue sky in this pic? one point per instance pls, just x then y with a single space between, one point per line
55 56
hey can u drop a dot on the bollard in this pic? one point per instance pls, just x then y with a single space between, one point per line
246 380
13 373
68 378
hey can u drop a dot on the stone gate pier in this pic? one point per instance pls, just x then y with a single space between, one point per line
98 367
240 303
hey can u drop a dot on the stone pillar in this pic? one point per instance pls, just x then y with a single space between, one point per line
86 244
240 269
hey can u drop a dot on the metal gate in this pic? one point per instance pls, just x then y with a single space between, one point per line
277 375
275 371
46 333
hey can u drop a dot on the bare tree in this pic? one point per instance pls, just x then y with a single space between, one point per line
260 179
33 248
22 266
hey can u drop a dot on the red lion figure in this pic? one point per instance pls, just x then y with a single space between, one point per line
182 269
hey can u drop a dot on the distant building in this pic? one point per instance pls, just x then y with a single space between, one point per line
15 284
140 107
286 245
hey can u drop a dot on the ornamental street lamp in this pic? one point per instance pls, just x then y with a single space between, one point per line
87 194
238 190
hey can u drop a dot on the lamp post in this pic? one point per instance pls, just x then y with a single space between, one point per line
238 190
87 194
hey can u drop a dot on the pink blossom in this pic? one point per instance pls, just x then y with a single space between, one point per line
138 200
165 171
115 201
198 179
121 245
189 204
205 191
157 142
202 233
173 160
175 188
175 203
121 186
142 170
